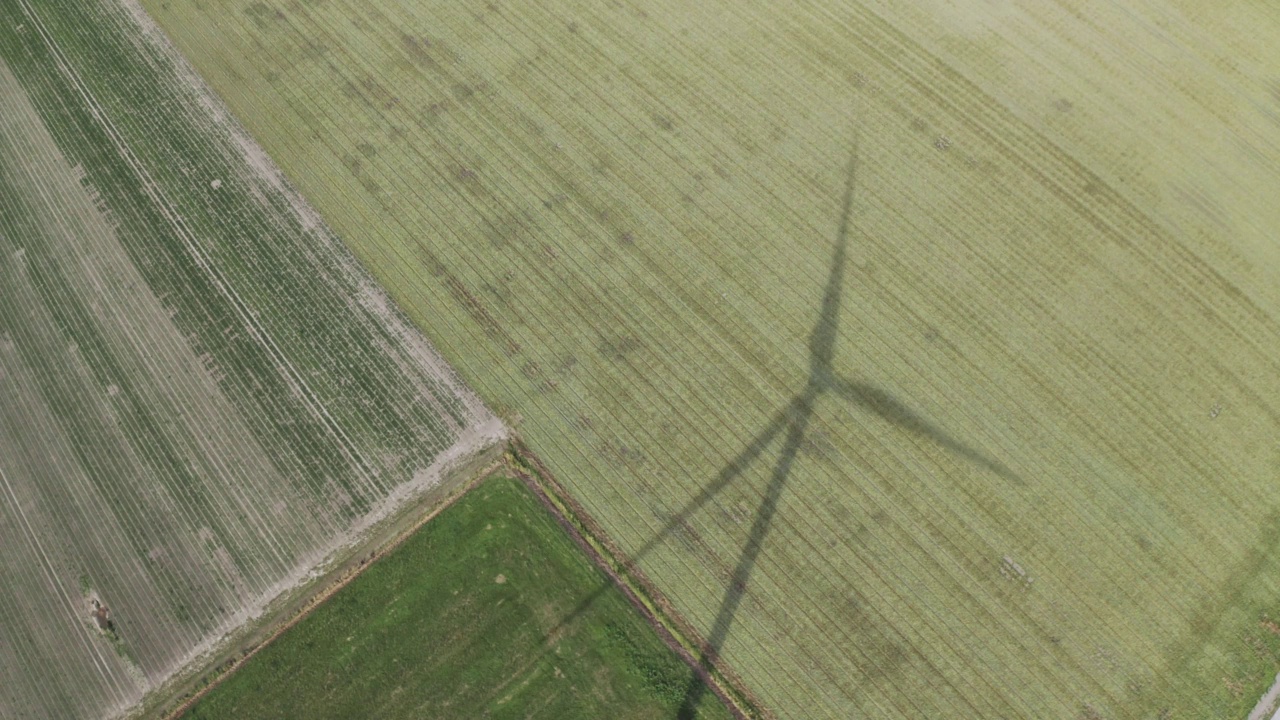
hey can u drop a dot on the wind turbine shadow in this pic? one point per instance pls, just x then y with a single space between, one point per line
886 406
791 422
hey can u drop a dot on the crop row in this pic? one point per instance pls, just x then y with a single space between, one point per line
209 391
627 245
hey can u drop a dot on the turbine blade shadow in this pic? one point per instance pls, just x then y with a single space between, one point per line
728 474
746 562
822 341
886 406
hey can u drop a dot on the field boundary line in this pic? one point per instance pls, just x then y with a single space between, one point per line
518 460
640 592
226 670
167 208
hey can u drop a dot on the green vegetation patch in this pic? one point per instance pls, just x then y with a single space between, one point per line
489 611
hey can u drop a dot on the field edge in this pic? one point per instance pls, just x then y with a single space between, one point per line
515 459
184 688
643 595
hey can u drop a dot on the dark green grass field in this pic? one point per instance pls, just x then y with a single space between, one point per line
464 621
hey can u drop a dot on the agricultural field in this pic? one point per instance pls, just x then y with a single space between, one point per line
203 399
925 355
475 615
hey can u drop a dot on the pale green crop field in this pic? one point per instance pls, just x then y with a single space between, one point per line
990 434
203 398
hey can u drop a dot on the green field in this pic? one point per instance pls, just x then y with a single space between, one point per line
473 616
1003 446
203 397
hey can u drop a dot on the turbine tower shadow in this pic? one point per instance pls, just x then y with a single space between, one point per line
792 421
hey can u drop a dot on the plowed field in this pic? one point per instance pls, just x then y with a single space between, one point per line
202 396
